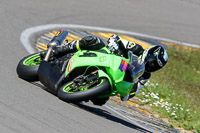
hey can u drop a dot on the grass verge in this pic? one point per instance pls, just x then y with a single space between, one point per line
174 91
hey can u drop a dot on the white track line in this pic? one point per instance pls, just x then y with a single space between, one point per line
27 34
129 119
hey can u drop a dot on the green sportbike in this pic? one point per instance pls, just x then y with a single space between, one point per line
83 75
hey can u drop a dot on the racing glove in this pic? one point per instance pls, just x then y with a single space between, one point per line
116 45
113 46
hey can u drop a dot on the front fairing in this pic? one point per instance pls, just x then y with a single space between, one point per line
124 87
135 68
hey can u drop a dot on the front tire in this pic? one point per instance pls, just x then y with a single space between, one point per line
66 93
28 66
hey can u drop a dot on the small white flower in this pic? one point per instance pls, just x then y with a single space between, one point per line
157 84
154 96
143 93
147 100
147 83
150 104
152 84
156 104
187 110
173 114
167 109
181 108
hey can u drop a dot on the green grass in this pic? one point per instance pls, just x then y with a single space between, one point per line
176 89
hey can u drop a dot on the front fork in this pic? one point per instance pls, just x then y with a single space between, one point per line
49 51
87 78
92 76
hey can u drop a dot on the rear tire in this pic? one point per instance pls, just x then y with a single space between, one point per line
83 95
28 66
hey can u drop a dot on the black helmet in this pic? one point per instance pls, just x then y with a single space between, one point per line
154 58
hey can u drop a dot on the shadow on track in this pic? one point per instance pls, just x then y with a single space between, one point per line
107 115
100 112
38 84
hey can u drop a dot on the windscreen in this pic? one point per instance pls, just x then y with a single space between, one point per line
136 67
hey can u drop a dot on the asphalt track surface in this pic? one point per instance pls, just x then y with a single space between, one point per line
25 107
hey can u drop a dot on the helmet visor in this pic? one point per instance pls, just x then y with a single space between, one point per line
152 66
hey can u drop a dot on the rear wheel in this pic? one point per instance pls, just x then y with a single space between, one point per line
76 92
28 66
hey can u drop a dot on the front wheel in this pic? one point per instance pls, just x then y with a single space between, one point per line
28 66
73 92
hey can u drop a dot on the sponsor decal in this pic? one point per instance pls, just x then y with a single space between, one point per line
131 45
156 53
102 58
144 55
58 33
123 65
70 65
165 56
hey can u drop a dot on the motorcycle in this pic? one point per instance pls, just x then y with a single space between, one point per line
84 75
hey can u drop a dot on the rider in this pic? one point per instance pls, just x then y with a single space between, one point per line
154 57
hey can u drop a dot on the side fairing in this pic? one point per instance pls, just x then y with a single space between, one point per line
119 66
87 58
115 67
